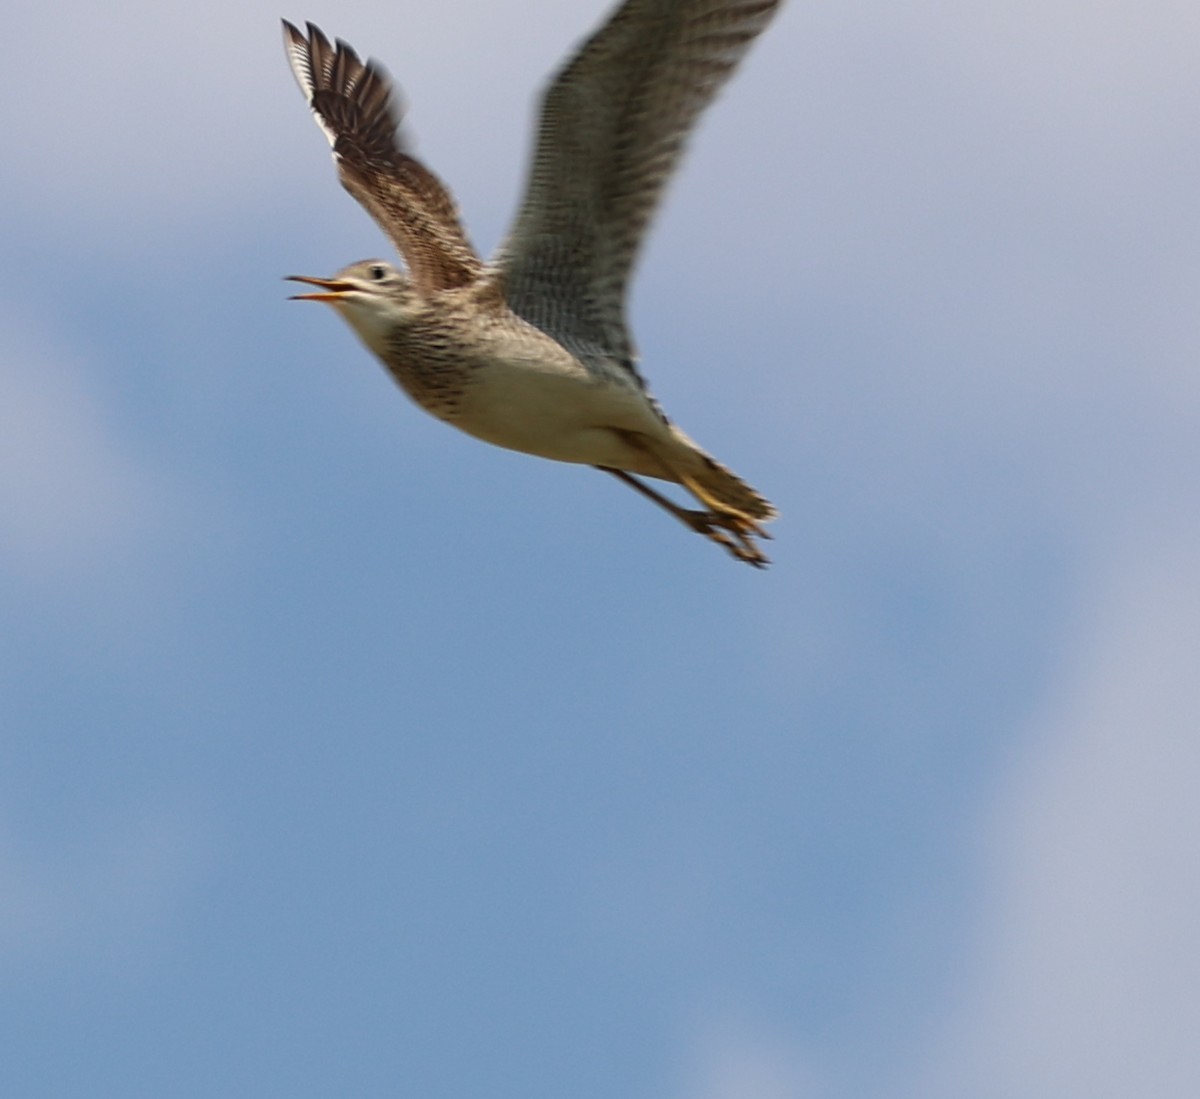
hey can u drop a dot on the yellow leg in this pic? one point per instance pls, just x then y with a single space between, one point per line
715 525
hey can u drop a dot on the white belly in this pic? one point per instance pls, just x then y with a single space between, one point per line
561 411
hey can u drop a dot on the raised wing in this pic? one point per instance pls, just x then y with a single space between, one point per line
355 107
614 123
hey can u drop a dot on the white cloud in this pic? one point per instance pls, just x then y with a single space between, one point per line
1084 984
152 114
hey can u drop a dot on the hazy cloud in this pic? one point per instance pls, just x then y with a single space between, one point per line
104 899
1085 981
728 1060
72 495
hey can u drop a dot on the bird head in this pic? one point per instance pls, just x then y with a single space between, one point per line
371 295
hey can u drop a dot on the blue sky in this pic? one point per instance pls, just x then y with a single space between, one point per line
343 755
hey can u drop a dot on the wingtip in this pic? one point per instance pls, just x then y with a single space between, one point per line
299 56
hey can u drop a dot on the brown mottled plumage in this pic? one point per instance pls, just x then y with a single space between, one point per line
532 352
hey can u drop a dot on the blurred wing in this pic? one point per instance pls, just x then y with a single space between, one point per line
614 123
354 105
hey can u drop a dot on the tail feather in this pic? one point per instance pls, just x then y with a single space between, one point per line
715 484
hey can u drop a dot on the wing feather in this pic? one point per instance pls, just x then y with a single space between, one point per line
613 125
355 106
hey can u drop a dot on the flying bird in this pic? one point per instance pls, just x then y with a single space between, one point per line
532 350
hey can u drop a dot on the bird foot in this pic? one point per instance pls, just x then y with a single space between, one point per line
735 532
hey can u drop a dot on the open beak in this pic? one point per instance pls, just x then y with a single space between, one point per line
332 287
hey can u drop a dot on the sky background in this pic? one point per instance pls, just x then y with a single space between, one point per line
342 755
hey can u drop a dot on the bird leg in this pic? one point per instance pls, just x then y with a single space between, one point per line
735 532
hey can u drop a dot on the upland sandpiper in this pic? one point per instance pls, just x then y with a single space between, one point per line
532 351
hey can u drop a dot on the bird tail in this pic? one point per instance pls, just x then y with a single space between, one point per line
714 484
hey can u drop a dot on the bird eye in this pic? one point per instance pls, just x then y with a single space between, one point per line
378 272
